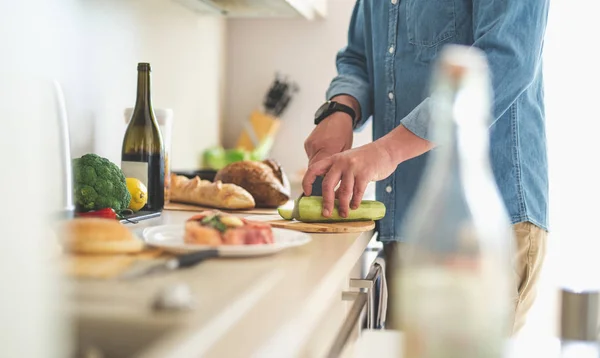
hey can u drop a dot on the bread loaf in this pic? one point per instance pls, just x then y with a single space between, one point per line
206 193
98 236
265 181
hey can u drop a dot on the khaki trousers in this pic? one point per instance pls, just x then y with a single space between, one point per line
530 251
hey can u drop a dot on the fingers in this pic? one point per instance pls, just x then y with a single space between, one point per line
337 168
317 156
360 185
314 170
331 179
344 193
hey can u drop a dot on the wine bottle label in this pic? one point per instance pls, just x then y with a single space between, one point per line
138 170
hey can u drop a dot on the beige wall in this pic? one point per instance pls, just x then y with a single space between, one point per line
104 39
302 49
91 47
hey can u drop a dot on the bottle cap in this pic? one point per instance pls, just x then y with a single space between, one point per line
143 66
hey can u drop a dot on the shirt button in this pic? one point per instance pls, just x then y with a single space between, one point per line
388 189
394 2
391 95
391 49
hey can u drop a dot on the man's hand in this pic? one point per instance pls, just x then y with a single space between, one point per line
334 134
355 168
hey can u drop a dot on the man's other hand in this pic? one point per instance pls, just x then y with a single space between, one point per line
354 168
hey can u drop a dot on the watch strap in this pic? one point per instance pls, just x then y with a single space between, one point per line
332 107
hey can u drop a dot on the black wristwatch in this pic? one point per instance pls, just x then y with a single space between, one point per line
330 107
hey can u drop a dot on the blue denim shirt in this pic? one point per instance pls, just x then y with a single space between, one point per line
386 66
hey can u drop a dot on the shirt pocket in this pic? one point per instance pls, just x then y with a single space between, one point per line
430 22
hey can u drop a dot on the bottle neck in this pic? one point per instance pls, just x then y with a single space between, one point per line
143 90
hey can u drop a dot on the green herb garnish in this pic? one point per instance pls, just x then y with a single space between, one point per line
208 219
219 225
214 221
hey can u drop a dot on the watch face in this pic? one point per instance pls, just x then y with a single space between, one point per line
323 109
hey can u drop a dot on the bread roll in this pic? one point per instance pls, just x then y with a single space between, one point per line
265 181
205 193
98 236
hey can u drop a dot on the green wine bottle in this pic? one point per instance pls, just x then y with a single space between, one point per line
143 153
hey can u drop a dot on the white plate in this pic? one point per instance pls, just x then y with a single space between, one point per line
170 238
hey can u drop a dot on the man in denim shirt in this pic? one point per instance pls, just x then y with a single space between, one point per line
384 72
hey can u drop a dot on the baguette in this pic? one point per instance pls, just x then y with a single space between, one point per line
205 193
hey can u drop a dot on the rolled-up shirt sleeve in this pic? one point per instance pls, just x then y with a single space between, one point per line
353 76
511 34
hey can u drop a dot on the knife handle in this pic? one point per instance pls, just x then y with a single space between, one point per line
194 258
317 187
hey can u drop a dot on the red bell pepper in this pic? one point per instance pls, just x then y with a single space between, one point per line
107 213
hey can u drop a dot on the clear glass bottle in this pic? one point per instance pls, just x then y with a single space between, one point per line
455 266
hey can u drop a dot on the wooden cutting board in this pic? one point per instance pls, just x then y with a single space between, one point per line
343 227
189 207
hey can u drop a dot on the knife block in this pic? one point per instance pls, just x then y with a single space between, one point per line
259 132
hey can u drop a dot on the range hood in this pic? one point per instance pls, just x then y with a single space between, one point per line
308 9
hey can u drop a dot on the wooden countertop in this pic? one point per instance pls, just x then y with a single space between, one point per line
244 307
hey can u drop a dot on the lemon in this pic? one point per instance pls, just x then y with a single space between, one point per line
139 193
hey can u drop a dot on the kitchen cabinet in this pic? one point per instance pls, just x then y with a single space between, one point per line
307 9
364 311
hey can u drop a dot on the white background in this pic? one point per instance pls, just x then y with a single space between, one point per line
572 75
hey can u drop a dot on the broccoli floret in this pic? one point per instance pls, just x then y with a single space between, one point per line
104 187
85 197
99 184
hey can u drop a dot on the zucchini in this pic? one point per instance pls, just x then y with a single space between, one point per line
286 210
310 208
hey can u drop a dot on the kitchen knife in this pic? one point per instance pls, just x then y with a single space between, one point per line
269 102
276 91
317 190
285 99
317 187
281 105
277 95
181 261
296 210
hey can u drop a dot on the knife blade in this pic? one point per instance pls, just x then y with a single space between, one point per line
296 210
181 261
